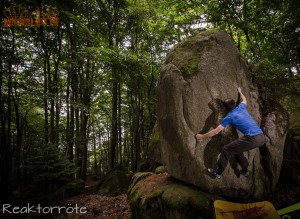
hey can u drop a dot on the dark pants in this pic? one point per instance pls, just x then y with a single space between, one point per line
237 147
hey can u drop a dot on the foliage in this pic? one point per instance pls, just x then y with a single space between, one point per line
267 33
47 169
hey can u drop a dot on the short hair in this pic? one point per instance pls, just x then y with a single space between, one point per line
229 104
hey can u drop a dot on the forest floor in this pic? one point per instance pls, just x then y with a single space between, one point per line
285 194
118 207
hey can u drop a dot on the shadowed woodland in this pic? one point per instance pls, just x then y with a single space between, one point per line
79 99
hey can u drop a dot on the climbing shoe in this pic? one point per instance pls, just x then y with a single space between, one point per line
245 173
214 173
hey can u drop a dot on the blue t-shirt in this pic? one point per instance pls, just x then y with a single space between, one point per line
242 121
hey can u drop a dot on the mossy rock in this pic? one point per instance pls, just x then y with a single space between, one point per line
114 183
189 196
138 177
186 56
161 196
160 169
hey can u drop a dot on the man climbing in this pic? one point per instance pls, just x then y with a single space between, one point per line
239 117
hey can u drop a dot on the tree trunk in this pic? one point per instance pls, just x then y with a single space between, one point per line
114 124
77 142
56 80
102 156
71 101
45 100
76 91
86 89
46 67
119 126
3 165
136 127
84 144
52 97
95 152
17 162
70 120
132 134
6 166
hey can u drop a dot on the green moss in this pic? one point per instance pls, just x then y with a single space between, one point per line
135 191
154 138
157 193
186 55
184 198
138 177
135 196
160 169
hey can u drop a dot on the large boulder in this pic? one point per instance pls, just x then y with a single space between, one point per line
198 74
114 182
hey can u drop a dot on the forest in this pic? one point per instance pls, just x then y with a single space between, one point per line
79 98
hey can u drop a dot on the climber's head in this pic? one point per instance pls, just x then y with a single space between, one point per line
229 104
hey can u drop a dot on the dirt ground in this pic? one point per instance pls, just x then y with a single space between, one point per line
99 207
285 194
84 206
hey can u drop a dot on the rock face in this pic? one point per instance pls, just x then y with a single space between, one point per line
198 74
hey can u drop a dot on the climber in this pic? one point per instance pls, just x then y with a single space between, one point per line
239 117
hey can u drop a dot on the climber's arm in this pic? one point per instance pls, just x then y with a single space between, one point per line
210 133
244 100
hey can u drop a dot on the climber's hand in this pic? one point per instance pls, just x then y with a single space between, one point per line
199 137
